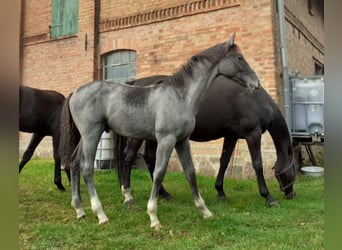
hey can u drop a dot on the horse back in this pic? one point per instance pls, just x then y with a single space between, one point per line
229 109
39 110
131 111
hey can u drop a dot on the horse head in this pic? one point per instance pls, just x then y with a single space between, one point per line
235 66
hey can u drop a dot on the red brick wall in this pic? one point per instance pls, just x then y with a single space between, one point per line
162 47
59 64
37 15
304 36
112 9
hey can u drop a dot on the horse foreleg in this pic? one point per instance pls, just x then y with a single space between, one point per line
35 140
164 150
128 158
184 154
254 146
57 158
227 149
150 159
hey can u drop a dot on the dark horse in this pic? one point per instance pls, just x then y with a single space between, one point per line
163 112
231 111
39 113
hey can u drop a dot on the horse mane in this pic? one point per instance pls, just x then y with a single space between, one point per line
279 132
130 82
213 55
177 80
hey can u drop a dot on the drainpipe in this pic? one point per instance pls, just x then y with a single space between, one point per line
285 71
97 10
21 35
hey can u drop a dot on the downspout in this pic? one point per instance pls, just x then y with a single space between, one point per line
21 35
285 72
97 10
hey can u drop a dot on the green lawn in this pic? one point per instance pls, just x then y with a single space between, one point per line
47 220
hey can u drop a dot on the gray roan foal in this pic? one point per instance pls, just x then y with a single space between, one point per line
164 113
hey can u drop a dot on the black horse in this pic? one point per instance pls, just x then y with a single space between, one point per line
39 113
231 111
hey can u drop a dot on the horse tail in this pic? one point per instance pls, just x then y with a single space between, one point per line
120 143
69 136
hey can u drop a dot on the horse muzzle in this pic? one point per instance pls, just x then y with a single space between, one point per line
290 195
253 85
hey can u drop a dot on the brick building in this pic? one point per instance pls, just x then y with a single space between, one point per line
65 44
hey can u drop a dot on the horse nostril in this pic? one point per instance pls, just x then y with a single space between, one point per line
254 85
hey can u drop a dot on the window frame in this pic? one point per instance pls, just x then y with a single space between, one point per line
114 62
318 67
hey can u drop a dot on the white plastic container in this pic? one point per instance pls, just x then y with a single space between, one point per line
307 104
105 151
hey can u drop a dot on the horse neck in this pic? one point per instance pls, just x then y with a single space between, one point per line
197 87
281 137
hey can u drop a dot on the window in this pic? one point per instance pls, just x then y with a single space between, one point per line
64 19
119 66
319 67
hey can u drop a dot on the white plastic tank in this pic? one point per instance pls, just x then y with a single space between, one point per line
307 104
105 153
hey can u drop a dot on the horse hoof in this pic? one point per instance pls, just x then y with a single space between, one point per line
104 222
81 216
290 195
165 196
222 197
273 204
103 219
157 227
208 216
61 187
130 202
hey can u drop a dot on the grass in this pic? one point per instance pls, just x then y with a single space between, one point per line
47 220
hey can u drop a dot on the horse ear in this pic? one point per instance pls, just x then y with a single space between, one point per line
230 42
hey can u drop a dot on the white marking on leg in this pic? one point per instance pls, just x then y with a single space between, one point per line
200 204
126 192
76 204
96 207
80 213
152 212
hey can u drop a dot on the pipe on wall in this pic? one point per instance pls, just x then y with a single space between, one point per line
285 71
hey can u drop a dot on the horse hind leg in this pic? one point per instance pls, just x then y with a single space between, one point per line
227 149
184 154
89 144
35 140
254 146
57 158
125 166
75 182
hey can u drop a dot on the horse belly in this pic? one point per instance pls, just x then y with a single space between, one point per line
133 125
32 125
203 135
